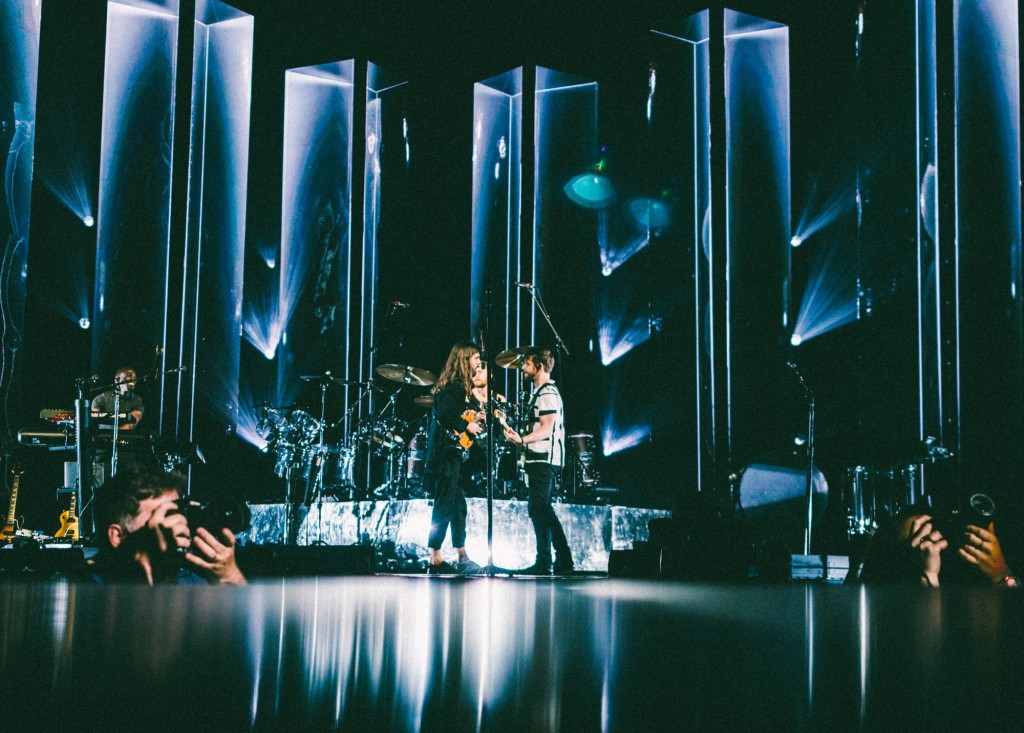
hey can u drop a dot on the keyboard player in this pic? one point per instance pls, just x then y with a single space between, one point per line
130 402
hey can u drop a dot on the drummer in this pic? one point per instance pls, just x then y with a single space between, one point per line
473 476
480 380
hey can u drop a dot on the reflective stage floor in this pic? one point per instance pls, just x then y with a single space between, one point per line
412 653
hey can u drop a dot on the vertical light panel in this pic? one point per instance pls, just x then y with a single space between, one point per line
757 221
929 264
316 259
387 154
695 60
19 64
988 241
566 145
498 257
133 226
211 298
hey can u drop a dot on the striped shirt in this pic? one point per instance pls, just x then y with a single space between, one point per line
547 401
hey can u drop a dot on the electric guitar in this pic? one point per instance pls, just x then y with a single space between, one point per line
13 524
69 519
465 439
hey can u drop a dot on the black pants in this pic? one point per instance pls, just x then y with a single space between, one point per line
449 503
541 480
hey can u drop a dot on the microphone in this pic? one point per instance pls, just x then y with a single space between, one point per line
528 286
176 370
398 304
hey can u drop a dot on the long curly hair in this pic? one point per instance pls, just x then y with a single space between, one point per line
457 368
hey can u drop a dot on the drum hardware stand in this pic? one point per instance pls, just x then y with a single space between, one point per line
315 484
810 456
387 489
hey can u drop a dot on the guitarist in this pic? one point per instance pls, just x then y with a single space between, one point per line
453 428
545 452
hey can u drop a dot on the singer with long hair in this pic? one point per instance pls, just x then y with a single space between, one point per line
453 425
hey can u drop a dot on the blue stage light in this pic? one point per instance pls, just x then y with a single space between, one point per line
823 210
591 190
84 323
650 214
617 339
617 440
830 298
614 257
88 221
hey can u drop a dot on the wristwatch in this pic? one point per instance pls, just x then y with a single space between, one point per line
1007 580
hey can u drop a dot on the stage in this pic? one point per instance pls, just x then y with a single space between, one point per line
399 529
419 653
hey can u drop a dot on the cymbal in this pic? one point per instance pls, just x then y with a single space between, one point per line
426 400
513 358
406 374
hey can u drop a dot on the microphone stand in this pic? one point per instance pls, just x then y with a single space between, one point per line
809 493
83 452
539 302
489 569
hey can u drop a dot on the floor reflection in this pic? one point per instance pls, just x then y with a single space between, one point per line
412 653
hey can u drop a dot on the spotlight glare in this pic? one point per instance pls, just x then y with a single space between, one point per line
271 263
88 221
84 323
797 240
796 339
269 352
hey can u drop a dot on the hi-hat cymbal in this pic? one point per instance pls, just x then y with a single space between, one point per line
355 383
406 374
324 378
513 358
426 400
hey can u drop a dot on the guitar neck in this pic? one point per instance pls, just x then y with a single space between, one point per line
14 499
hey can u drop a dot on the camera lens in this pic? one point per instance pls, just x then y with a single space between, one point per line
983 507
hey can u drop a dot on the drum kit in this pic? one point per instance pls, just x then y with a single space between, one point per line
380 455
879 493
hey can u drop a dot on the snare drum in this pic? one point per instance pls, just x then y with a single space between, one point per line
337 464
287 456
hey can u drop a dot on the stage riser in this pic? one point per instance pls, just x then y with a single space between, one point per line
593 531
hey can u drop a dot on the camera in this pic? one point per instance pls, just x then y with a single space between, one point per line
978 509
217 514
